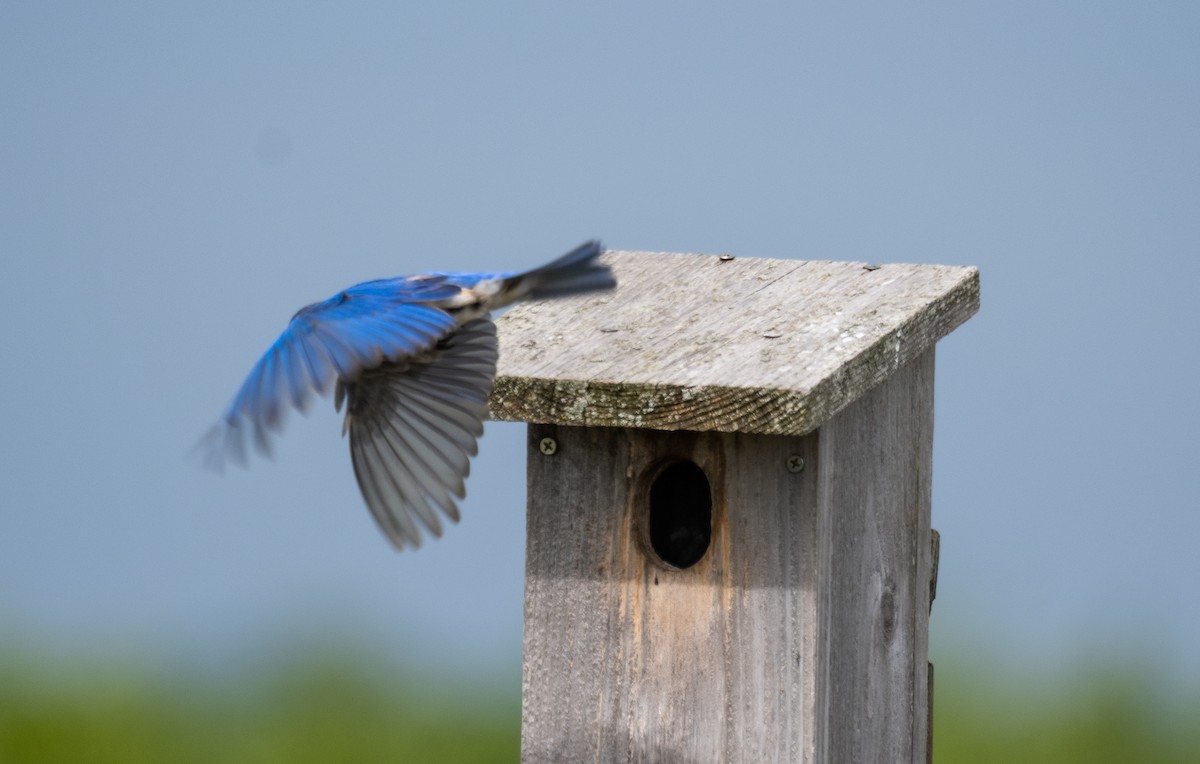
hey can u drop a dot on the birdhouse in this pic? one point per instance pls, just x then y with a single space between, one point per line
729 554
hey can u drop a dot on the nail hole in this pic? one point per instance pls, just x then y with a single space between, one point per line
680 523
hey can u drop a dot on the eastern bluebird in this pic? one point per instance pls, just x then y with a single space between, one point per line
414 359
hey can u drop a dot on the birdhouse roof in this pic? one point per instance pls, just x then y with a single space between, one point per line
705 342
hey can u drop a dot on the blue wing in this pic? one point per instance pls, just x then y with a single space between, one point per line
356 329
416 385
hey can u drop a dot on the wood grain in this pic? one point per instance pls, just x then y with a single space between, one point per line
694 342
801 635
876 483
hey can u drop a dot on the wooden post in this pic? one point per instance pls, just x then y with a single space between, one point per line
729 551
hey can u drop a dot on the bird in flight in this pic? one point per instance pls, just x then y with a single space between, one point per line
413 360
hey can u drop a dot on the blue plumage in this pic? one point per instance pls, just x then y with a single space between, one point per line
413 359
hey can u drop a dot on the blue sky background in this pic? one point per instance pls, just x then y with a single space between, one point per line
177 179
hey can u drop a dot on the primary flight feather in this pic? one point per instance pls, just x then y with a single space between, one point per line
413 359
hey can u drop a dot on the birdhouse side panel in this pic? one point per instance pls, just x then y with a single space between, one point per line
875 486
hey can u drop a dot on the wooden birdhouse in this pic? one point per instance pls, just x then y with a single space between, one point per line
729 553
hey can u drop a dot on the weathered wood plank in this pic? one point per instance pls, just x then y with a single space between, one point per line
629 661
875 491
694 342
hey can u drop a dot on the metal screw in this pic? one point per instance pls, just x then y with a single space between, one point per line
795 463
548 446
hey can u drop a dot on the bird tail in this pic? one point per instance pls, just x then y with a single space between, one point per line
576 272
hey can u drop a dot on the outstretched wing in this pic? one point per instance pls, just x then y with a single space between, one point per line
336 339
413 429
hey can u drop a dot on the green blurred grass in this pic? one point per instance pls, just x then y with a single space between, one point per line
1114 711
315 708
326 707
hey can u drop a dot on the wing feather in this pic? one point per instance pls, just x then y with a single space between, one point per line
414 426
375 482
339 338
424 471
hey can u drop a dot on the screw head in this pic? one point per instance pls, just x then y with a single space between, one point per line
795 463
548 446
